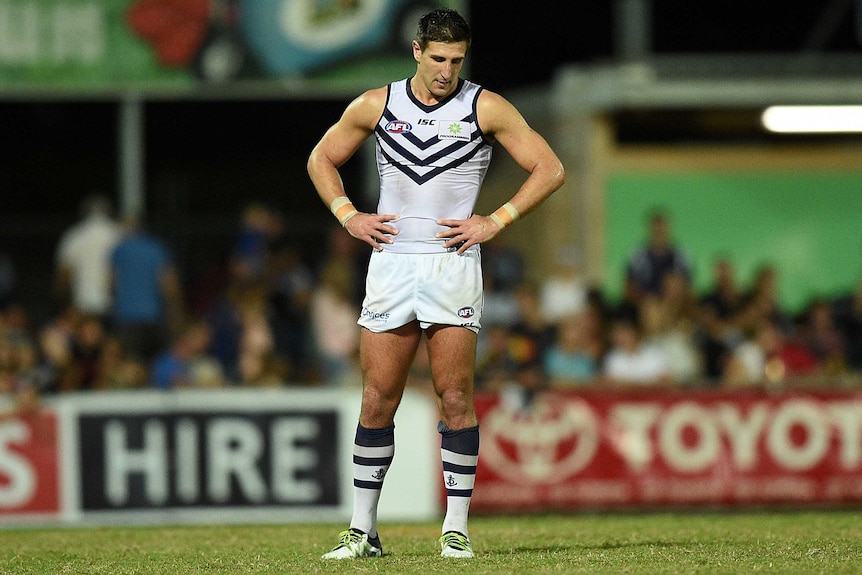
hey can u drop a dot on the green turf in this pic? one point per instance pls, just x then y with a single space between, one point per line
826 542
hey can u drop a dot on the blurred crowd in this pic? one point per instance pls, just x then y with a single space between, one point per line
126 319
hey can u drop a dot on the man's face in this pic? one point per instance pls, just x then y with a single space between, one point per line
439 66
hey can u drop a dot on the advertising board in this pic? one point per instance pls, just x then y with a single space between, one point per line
680 448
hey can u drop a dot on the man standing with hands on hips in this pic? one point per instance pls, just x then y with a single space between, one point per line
434 134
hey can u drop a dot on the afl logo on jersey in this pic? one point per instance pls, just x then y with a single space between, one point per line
398 127
466 312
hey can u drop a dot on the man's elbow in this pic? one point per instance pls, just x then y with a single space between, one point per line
310 163
558 177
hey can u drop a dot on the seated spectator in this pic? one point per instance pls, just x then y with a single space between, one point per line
574 356
496 362
821 335
669 323
717 333
334 328
262 369
260 227
630 361
18 357
87 346
761 303
258 362
187 364
563 293
724 296
769 357
500 306
531 324
290 298
116 370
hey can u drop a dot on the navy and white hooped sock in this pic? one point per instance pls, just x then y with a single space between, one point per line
373 451
459 450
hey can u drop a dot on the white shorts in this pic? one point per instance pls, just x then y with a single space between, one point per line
433 288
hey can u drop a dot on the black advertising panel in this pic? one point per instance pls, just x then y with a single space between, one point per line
211 459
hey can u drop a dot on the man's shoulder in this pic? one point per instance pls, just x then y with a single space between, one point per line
370 102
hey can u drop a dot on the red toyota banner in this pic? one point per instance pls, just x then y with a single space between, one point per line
594 449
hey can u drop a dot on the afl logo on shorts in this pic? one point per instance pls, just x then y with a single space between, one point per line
466 312
398 127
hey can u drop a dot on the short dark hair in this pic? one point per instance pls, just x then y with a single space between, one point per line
442 25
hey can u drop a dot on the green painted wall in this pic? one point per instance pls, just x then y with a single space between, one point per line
808 225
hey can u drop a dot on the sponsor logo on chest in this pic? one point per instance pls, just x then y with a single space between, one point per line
446 129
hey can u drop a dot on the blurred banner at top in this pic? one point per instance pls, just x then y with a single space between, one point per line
110 44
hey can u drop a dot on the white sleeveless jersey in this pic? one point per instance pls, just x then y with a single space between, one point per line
432 161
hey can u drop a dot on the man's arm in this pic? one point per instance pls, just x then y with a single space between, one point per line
500 120
338 145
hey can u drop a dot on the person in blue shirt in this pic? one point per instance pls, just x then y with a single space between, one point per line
147 301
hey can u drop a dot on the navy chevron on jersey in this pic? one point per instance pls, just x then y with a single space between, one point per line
432 161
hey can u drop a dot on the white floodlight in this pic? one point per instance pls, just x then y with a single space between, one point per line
812 119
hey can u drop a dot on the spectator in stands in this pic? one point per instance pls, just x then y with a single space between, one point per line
290 296
670 323
564 292
260 228
83 271
88 344
531 324
499 306
761 303
333 324
344 252
502 275
648 266
769 357
718 333
497 358
258 364
224 319
821 335
55 349
148 304
17 362
18 355
116 370
505 264
265 369
630 361
723 295
186 363
575 355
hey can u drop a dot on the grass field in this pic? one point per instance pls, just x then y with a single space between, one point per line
784 542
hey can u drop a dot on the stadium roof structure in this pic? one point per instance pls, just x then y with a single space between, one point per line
731 80
723 94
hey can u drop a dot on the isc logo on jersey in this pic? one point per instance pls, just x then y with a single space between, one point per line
398 127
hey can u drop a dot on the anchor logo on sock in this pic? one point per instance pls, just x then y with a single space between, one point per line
379 474
450 481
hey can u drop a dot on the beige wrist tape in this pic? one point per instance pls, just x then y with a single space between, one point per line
505 215
342 208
